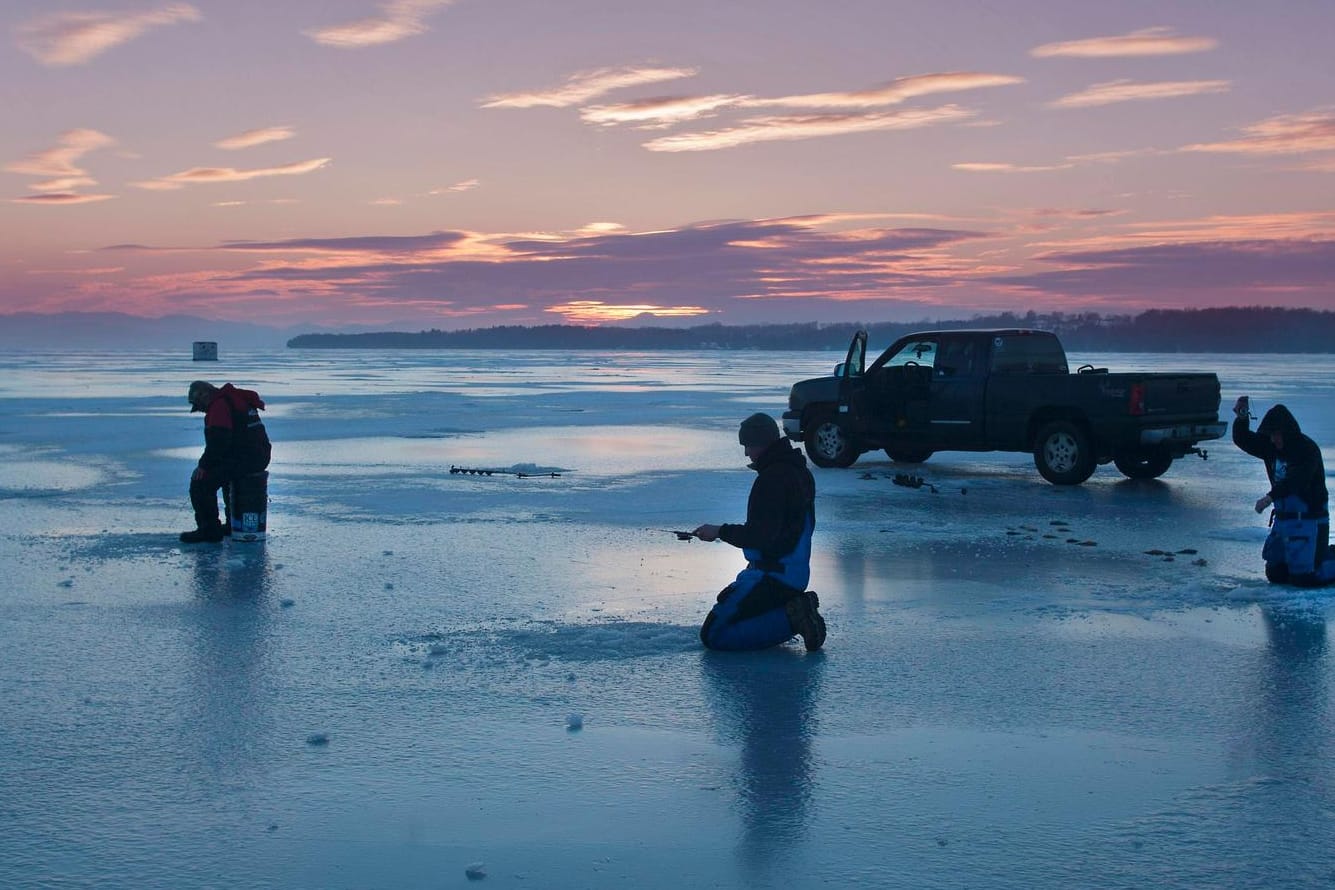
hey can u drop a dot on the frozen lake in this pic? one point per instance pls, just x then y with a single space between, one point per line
422 674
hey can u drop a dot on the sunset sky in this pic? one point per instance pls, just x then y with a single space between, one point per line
427 163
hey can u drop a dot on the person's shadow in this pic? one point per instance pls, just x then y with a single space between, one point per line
765 702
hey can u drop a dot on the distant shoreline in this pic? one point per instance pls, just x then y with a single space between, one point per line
1233 330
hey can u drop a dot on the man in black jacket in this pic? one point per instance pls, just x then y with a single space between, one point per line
769 602
1299 537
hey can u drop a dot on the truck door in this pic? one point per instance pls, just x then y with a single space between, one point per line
897 390
955 408
928 389
850 374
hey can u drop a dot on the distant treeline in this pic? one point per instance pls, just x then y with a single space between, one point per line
1244 329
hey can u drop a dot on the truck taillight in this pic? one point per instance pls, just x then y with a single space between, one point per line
1135 404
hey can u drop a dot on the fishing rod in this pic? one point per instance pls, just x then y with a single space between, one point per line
681 536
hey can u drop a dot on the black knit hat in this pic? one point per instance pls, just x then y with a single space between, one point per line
758 430
197 388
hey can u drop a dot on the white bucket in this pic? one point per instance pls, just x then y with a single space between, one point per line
250 506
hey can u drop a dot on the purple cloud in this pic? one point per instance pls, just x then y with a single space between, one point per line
1214 273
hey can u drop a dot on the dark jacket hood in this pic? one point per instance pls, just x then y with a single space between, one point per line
245 399
781 451
1279 420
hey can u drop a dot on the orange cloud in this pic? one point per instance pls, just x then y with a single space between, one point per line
1146 42
400 19
587 85
598 312
72 38
1129 91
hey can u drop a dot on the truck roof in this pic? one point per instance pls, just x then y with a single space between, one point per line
989 332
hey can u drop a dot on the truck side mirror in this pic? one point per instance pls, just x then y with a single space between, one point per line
839 370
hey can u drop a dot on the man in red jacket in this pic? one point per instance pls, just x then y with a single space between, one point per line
235 444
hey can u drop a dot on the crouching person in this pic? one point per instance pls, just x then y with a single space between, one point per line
235 444
1297 549
769 603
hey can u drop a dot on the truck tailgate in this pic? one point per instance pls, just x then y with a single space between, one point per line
1180 395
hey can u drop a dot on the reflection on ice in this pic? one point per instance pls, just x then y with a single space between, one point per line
766 707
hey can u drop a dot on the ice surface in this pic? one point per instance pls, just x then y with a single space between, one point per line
420 672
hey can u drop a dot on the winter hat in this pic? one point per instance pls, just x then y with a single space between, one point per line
197 389
758 430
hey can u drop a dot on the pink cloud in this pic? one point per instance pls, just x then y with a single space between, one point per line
399 19
769 129
1132 91
73 38
196 175
1147 42
892 93
61 198
587 85
251 138
58 161
1312 131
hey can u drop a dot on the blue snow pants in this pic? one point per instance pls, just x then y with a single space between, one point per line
750 613
1296 550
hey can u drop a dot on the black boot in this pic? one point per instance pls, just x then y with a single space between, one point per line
210 535
806 621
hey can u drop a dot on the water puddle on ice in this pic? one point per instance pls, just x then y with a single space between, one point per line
28 477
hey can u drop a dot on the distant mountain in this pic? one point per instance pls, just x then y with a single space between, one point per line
1247 329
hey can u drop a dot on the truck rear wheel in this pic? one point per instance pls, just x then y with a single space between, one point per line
908 455
1143 463
829 444
1063 454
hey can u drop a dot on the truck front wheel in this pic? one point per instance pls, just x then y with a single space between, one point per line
829 444
906 455
1143 463
1063 454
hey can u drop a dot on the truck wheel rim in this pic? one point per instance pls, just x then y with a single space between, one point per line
831 440
1061 452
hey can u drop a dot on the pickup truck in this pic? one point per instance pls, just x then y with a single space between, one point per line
1001 390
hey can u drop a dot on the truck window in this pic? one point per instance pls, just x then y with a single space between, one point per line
918 352
1028 354
955 358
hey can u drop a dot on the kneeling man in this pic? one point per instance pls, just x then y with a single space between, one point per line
769 603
